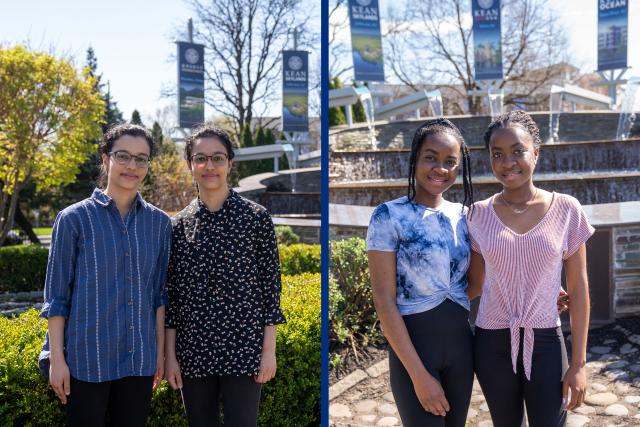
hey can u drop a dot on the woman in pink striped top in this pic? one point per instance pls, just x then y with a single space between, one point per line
521 238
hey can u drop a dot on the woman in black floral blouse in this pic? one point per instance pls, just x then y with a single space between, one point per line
224 292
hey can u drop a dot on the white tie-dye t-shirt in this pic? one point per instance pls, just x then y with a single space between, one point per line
432 251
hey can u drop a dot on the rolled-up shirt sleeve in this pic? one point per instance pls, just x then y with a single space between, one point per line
160 291
61 266
269 271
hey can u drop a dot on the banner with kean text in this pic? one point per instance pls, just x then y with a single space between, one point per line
366 42
612 34
190 84
487 42
295 91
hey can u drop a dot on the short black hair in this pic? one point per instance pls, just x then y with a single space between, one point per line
208 131
517 118
438 127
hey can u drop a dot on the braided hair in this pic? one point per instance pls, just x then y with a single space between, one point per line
437 127
514 118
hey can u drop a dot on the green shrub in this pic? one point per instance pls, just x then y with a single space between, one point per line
300 258
353 320
286 236
23 268
292 398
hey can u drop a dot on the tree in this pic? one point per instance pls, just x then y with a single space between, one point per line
532 43
244 39
47 112
135 118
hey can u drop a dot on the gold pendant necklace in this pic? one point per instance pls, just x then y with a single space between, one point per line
515 210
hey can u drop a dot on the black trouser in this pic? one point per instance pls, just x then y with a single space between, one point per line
240 396
506 392
442 338
127 402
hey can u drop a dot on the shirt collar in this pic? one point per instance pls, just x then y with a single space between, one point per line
101 198
228 202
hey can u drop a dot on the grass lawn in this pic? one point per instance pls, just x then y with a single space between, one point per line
41 231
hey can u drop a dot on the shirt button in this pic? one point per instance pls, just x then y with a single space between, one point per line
130 326
130 302
124 231
130 350
126 253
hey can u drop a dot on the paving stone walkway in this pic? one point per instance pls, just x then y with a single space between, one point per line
363 398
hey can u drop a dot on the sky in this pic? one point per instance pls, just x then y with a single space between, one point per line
132 39
580 18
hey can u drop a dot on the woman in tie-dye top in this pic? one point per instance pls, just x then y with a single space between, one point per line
521 239
419 253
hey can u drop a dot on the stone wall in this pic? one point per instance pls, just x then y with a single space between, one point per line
626 271
350 166
578 126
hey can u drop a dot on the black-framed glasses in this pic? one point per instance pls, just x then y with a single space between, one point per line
218 159
124 157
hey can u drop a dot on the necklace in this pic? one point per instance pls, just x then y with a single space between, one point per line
519 211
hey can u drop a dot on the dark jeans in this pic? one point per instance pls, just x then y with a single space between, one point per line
239 395
125 402
507 392
442 337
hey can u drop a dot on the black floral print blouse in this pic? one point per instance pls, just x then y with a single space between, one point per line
224 286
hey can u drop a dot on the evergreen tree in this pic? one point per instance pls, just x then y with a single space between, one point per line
336 114
135 118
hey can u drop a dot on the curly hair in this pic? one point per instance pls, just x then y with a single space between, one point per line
440 126
514 118
208 131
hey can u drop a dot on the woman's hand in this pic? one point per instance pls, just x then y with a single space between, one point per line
60 379
267 367
431 395
172 372
563 301
157 378
575 380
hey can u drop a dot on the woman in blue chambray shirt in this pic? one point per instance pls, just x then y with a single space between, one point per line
105 294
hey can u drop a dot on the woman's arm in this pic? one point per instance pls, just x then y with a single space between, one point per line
268 357
59 376
382 268
171 367
475 275
578 290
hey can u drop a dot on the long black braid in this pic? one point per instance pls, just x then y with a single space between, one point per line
436 127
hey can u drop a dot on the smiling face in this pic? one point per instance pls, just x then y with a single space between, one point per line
437 164
128 176
513 156
210 175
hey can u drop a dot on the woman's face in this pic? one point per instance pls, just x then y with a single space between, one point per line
210 164
127 163
513 156
437 164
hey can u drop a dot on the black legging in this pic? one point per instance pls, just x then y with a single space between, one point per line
442 338
125 402
240 399
506 392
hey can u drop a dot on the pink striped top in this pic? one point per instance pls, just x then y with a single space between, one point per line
523 271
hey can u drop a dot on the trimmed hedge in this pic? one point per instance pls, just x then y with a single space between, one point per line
353 321
292 398
23 268
300 258
286 236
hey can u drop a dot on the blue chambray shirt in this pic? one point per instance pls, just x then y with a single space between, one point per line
106 276
432 249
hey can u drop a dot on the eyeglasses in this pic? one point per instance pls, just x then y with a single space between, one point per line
201 160
124 157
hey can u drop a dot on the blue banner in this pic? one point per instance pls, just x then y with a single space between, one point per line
190 84
612 34
295 91
366 42
487 39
